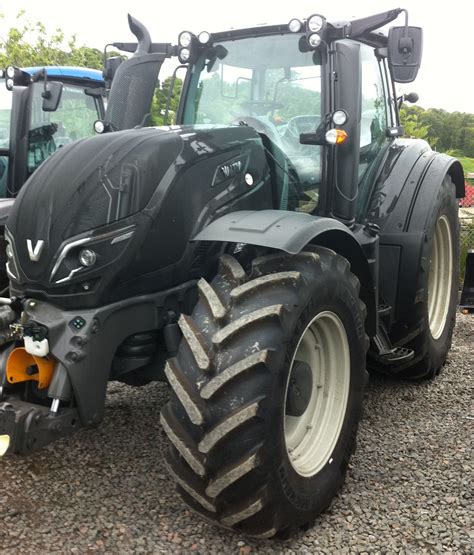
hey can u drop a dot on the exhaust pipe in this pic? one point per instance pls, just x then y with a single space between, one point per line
134 83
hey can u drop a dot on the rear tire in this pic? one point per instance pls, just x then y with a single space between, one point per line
226 417
438 282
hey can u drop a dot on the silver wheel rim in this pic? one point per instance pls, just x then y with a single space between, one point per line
440 277
311 438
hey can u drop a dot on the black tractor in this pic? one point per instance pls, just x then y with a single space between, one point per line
275 243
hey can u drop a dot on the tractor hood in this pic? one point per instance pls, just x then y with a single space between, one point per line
134 198
87 185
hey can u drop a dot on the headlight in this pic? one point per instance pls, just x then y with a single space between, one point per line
87 257
10 72
9 251
9 84
314 40
315 23
185 39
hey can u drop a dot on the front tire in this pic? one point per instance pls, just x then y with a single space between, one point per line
250 449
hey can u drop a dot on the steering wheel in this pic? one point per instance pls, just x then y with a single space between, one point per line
302 124
260 107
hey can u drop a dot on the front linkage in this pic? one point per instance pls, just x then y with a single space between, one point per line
55 364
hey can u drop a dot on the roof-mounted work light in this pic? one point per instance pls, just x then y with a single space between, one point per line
315 27
190 45
295 25
16 76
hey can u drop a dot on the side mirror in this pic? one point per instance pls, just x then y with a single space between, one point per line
51 95
405 47
110 68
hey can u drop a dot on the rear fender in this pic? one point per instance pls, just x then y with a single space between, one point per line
403 228
292 232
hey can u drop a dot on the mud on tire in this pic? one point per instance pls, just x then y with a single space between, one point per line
225 417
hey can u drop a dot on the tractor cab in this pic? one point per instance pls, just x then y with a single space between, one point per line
320 95
41 110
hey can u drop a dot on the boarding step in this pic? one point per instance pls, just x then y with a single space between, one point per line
398 355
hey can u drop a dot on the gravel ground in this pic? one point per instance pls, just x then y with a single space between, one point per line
107 490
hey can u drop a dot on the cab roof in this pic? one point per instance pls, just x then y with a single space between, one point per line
70 73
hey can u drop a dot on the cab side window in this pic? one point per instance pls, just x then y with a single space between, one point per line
374 122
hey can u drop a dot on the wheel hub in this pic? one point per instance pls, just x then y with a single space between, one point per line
317 394
299 388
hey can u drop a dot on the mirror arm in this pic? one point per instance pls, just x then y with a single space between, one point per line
319 136
44 74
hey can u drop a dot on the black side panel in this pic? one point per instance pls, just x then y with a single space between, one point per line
390 254
348 97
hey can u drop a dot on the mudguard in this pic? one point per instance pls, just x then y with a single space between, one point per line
291 232
401 205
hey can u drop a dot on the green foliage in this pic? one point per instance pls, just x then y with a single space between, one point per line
410 118
160 100
30 44
445 131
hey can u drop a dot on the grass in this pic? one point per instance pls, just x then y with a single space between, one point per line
467 164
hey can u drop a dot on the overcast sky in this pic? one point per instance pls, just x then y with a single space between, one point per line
445 80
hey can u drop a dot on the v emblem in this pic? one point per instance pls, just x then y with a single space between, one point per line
35 253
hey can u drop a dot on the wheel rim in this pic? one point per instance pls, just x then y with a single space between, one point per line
311 438
440 277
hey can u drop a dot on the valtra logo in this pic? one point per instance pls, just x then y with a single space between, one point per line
35 252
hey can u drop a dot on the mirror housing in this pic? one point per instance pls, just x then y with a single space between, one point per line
110 69
405 48
51 95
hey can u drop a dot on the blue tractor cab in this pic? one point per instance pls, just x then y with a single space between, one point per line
41 110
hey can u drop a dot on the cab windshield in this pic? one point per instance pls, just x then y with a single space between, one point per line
272 84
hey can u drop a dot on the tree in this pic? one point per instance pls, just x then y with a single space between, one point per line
410 119
160 100
30 44
447 131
